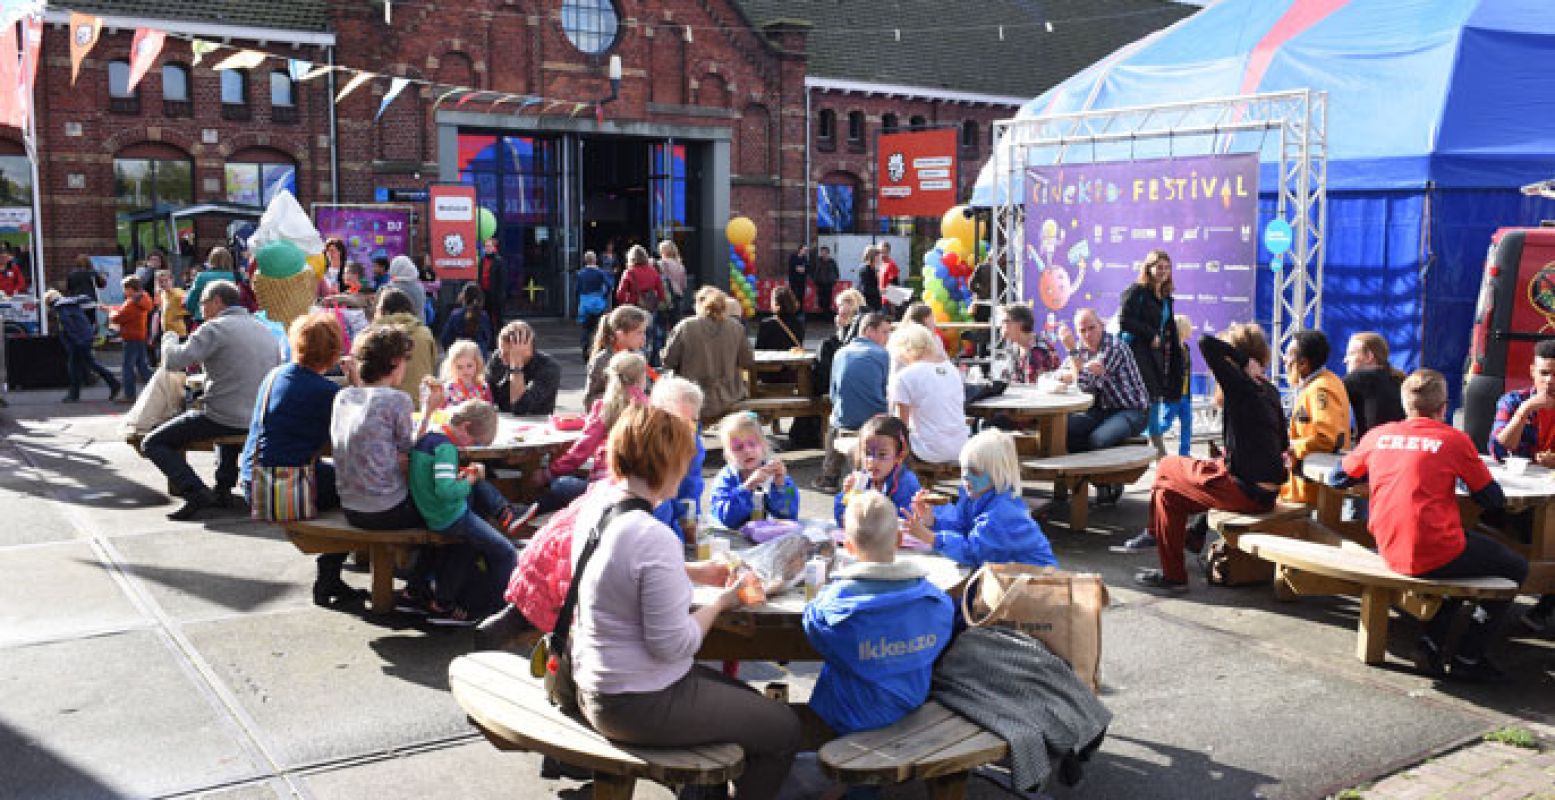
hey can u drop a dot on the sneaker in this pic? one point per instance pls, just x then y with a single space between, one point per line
1144 542
195 505
827 485
1428 658
1155 579
1479 670
551 769
113 392
1108 494
1198 532
452 617
411 600
514 519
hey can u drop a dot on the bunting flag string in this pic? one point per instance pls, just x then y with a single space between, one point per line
296 68
143 53
323 69
84 32
396 86
243 59
200 47
358 80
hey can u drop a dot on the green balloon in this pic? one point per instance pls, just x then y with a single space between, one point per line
281 259
488 224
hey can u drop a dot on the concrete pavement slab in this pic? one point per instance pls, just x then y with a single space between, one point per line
55 591
326 685
472 769
197 572
111 716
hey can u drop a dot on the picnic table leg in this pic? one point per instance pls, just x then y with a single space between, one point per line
1079 503
1055 434
805 381
383 578
1282 591
613 787
1372 644
947 787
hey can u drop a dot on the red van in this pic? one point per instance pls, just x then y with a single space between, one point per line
1516 310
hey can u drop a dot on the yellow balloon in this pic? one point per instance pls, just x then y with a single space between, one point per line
957 246
956 225
740 231
317 262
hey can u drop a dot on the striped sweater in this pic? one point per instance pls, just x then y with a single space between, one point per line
435 485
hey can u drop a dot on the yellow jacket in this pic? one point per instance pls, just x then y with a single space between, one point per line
1319 423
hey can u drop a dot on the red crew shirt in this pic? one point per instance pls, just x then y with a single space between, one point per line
1413 467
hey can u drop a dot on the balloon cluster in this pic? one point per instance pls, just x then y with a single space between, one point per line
947 269
741 233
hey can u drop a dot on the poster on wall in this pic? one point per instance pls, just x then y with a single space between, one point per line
453 228
917 173
367 231
1089 226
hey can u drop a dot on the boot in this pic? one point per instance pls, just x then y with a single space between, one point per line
498 631
195 503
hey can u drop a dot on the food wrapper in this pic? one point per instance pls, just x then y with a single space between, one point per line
765 530
779 563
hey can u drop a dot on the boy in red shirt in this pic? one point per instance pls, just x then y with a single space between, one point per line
1414 467
132 321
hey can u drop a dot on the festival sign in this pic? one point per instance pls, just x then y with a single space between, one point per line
367 231
454 228
917 173
1088 227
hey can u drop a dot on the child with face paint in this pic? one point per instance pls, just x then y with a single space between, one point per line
750 467
880 464
989 521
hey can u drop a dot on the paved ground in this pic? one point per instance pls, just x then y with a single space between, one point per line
140 657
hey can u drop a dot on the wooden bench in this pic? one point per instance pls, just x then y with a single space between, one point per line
932 473
771 408
509 706
1285 519
932 744
330 533
1077 471
1312 568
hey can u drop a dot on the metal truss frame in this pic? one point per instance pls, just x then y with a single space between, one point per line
1298 120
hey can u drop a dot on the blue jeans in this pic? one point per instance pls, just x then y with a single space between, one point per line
1163 412
501 557
1100 428
78 362
562 491
137 363
164 446
1482 556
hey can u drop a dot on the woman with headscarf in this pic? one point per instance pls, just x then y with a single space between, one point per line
404 276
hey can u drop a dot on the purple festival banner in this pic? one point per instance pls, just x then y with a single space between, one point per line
1088 226
367 231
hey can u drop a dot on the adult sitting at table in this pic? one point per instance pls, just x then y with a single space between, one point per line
404 276
849 315
1371 383
468 320
1320 417
1414 467
634 643
236 351
523 379
624 329
1246 479
926 393
218 267
396 310
710 350
683 399
1036 352
1524 427
291 425
784 329
859 375
1102 365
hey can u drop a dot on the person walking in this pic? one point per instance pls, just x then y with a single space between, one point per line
494 282
824 273
799 273
1146 319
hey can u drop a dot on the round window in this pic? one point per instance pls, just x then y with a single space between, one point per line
591 25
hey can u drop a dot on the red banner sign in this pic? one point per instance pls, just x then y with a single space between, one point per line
454 230
916 173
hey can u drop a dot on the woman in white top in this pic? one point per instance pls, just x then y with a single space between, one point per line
927 393
633 641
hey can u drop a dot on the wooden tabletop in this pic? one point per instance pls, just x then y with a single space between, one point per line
1026 398
519 435
942 572
785 358
1536 486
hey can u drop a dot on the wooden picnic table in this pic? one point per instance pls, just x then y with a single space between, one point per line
802 362
1048 412
1534 491
773 631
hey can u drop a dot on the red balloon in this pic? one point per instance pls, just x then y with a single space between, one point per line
951 261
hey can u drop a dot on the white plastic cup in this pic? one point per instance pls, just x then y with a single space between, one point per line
1516 465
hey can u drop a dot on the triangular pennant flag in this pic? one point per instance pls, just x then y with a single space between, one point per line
143 53
296 68
32 50
467 98
243 59
14 11
395 87
322 69
361 78
200 47
11 112
576 107
445 96
84 30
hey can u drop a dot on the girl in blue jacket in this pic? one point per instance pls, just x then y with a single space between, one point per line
989 522
880 464
750 467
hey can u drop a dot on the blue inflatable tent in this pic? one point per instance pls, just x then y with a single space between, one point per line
1438 111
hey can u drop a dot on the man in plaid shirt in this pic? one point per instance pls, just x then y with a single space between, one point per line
1103 366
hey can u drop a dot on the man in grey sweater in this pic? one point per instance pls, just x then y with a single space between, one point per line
236 352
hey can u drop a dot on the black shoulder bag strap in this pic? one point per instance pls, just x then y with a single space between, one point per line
563 628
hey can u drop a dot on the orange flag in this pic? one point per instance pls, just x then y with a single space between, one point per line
143 53
84 30
32 50
11 111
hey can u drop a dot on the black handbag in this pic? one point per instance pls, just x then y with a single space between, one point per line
552 659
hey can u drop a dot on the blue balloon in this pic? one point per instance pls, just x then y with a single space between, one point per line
929 260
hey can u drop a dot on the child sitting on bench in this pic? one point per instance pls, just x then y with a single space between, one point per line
989 521
751 468
1414 467
880 463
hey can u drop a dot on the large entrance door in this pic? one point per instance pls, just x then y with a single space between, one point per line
518 179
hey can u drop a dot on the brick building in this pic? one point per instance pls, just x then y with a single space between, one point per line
724 108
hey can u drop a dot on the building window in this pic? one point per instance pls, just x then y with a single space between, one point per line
917 123
120 99
283 93
175 82
254 184
969 135
888 123
145 181
591 25
15 180
826 128
856 127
